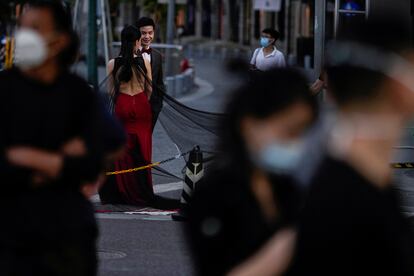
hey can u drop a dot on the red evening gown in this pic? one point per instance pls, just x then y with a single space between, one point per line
135 114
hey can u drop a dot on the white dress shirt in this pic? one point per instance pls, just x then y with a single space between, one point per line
264 63
146 56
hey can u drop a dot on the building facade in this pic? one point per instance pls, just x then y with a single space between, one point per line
305 25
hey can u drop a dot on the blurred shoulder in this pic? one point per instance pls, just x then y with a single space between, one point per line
279 53
78 81
7 74
78 86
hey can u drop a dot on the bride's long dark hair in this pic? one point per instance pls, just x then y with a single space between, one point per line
129 35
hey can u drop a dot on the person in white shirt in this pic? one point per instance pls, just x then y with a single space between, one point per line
268 56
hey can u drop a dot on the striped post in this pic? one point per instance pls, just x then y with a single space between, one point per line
194 173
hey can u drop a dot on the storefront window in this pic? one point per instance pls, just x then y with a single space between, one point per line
330 20
301 33
353 5
350 12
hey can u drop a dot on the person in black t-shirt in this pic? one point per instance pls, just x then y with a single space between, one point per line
51 144
352 223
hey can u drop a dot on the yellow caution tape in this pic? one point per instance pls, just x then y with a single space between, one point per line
134 169
149 166
402 165
11 53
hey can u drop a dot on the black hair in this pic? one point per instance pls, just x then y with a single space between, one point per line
351 83
62 23
265 94
129 35
145 21
273 33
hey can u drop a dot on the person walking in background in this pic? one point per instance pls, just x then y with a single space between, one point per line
352 223
132 88
268 56
243 213
50 145
147 28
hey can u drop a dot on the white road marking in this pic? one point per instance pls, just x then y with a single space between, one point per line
162 188
132 217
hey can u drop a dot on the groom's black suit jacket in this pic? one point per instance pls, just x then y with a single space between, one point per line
158 87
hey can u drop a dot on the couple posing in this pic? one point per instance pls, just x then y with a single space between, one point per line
137 89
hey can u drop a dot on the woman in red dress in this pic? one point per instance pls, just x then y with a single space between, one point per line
132 91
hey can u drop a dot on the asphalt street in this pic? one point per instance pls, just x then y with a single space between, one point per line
156 245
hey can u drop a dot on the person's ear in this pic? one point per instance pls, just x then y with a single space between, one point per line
401 97
249 133
247 127
58 44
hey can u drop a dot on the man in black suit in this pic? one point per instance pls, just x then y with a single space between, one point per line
147 27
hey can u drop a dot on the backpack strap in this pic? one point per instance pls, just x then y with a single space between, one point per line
255 54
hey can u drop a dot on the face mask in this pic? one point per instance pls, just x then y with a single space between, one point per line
362 127
264 42
30 50
280 158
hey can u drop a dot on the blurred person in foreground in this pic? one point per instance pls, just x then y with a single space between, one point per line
352 223
243 213
50 146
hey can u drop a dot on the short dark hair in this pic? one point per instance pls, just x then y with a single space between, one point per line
348 83
62 21
61 16
273 33
145 21
260 98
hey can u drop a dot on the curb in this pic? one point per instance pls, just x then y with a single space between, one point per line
204 88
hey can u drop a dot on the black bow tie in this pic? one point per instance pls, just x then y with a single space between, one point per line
148 51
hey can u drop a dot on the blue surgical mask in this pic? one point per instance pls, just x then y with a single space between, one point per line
264 41
280 158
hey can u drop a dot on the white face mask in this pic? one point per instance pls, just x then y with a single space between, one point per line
30 49
280 158
362 127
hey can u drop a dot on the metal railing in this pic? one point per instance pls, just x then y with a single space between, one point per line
172 54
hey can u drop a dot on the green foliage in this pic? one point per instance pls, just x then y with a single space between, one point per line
159 13
150 6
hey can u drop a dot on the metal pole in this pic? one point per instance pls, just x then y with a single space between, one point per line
75 14
105 33
170 37
92 47
320 11
108 16
336 18
367 8
170 21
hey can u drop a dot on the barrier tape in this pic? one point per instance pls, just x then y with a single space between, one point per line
156 164
9 53
408 165
149 166
402 165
